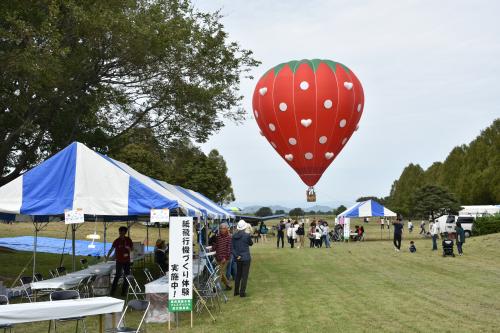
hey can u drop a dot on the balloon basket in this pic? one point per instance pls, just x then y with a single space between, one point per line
311 195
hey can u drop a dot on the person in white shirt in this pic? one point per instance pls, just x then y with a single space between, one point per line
434 230
410 226
317 235
292 233
325 235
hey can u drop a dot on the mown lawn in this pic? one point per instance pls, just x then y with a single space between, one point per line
355 287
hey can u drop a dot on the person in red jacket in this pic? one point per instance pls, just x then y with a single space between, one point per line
122 247
223 252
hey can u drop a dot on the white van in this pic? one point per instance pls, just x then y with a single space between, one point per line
447 223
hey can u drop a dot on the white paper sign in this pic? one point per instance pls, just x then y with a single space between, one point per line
347 228
74 216
160 215
180 272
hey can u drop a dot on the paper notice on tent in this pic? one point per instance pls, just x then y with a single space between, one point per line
180 289
160 215
72 216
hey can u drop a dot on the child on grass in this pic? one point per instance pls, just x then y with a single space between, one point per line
412 248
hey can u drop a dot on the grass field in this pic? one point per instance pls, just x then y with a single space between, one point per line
354 287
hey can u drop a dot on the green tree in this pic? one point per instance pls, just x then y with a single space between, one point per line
339 210
264 211
296 212
93 70
361 199
279 212
435 201
401 197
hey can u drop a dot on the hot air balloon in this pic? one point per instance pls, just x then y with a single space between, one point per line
308 110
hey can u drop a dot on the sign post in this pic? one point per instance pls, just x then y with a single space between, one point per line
180 288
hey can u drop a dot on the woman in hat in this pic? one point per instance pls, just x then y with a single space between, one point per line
241 243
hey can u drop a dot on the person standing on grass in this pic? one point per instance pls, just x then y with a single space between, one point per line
287 226
122 246
460 238
281 234
317 235
292 233
388 223
382 224
312 235
422 228
434 230
223 251
301 233
398 231
240 247
326 236
410 226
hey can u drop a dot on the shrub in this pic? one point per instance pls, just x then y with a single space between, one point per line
486 225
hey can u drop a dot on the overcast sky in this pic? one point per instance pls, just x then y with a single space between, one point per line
430 71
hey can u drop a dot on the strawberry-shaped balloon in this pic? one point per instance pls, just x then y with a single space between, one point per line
308 110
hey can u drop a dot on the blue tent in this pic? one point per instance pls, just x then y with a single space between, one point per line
367 208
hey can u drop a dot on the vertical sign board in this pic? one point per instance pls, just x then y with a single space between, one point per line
180 273
72 216
347 228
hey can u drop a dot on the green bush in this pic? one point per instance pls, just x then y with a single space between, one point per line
486 225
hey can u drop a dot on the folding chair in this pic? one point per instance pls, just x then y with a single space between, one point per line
82 287
64 295
84 263
25 282
148 274
4 300
133 305
161 269
61 271
53 273
134 288
90 285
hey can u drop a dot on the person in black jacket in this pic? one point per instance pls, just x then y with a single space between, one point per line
240 251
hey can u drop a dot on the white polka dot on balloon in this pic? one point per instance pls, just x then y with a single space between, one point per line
273 144
343 122
256 113
359 107
328 104
292 141
283 107
344 141
272 127
304 85
308 156
323 140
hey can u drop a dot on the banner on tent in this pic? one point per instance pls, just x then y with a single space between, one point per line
180 290
72 216
160 215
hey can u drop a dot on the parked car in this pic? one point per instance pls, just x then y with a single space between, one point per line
447 223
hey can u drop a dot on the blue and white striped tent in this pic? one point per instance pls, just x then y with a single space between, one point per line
367 208
78 177
207 206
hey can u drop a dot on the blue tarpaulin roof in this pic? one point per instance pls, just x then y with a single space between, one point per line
55 245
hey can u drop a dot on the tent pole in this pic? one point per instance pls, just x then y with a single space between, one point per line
73 232
104 237
35 241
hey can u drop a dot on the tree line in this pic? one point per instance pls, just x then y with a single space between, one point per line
470 175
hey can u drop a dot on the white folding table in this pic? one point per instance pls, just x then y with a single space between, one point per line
71 280
51 310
